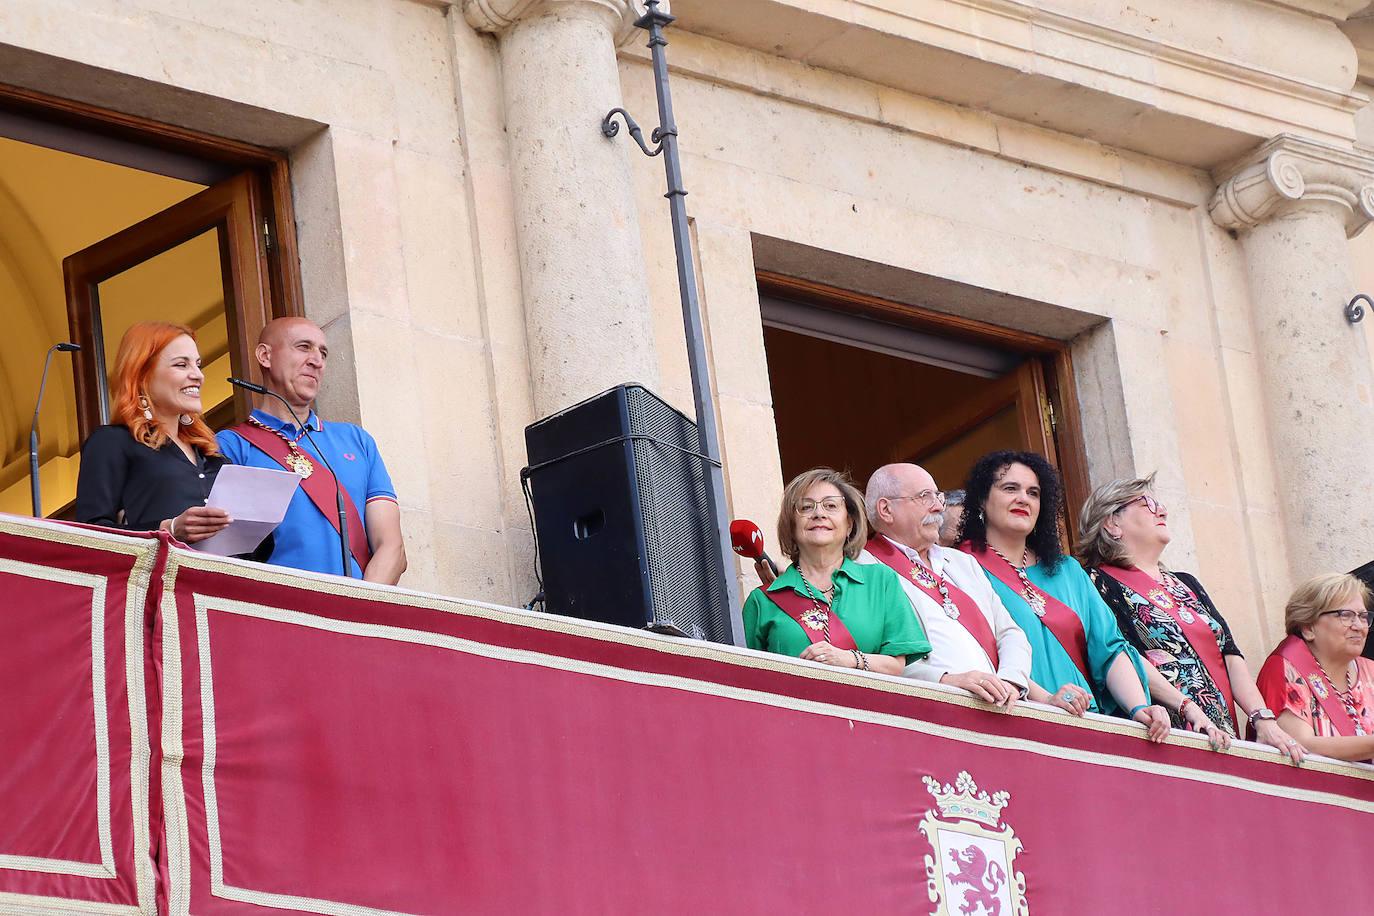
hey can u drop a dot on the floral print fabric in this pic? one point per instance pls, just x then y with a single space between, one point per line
1159 638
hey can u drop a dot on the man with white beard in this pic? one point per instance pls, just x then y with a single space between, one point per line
975 643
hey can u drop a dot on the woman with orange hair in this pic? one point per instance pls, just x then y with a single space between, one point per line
154 466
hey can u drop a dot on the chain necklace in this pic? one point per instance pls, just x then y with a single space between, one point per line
1033 597
1192 605
297 460
927 576
818 618
1347 696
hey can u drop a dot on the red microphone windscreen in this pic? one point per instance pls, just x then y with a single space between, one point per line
746 538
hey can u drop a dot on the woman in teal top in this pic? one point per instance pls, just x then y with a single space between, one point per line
1013 517
825 607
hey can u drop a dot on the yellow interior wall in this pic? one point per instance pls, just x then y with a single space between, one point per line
53 204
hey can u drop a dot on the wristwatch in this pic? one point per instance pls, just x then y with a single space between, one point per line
1263 714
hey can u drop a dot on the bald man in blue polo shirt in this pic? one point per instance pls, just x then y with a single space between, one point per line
292 353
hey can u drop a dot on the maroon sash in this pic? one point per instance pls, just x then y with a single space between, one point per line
1063 624
1199 635
970 614
1273 686
319 486
798 606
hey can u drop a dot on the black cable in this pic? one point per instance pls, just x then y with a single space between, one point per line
529 510
616 441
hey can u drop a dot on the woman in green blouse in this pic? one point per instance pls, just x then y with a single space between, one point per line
825 607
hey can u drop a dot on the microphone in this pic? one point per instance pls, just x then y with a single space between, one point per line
33 429
747 541
338 487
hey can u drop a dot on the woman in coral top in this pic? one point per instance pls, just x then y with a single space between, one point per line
1316 680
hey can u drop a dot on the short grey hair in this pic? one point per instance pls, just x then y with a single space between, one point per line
954 498
881 485
1095 547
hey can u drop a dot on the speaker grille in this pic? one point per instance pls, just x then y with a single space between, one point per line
621 516
677 521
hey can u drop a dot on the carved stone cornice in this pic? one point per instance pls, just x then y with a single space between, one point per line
497 16
1333 9
1289 169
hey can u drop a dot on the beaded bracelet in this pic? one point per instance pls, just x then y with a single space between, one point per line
860 660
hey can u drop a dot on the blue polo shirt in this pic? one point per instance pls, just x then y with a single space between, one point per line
305 539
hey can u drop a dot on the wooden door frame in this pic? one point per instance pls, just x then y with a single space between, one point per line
1048 381
229 207
271 165
273 219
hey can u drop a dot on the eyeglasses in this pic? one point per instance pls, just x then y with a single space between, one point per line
1155 506
831 505
1351 618
929 497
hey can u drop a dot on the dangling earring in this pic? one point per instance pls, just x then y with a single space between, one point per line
147 408
186 419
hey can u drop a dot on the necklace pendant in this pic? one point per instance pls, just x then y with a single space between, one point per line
1186 615
951 609
1037 604
300 464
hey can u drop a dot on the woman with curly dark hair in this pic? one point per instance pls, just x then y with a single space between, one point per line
1080 662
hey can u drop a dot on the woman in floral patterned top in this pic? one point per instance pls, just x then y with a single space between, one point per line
1323 689
1196 671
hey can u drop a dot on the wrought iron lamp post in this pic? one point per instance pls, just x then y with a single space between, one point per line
665 139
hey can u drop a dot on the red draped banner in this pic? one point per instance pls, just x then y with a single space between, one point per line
75 824
332 747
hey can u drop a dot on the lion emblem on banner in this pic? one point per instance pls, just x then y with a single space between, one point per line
973 871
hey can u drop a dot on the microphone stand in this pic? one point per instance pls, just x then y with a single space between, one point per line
338 487
33 429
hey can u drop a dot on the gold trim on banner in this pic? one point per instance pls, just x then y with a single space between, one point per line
141 753
175 819
731 655
55 532
105 868
33 905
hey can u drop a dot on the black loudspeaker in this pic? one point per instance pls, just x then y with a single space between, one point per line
621 517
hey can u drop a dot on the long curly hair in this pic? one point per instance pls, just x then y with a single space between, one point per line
139 349
1044 538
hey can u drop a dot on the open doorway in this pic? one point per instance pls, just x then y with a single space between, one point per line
106 220
859 382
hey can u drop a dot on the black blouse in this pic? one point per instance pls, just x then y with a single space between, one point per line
120 473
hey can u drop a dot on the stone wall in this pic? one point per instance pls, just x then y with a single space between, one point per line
1060 156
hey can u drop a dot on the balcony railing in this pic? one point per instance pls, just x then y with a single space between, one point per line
183 734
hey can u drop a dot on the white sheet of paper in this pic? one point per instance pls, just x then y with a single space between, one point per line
256 500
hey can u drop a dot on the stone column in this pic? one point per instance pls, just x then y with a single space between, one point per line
1294 204
586 291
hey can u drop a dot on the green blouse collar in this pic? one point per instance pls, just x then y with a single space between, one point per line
791 577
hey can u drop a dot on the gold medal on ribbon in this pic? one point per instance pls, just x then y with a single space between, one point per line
300 464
